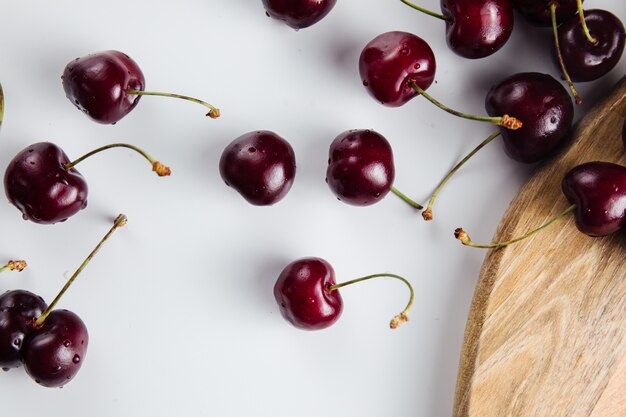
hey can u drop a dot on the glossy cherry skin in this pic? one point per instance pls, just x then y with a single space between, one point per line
599 191
37 183
18 308
477 28
543 106
537 12
298 14
303 295
360 167
584 60
54 353
96 84
392 60
260 165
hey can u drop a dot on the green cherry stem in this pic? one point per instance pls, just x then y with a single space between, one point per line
423 10
213 113
581 14
160 169
467 241
14 266
120 221
428 213
406 199
399 318
504 120
559 55
1 105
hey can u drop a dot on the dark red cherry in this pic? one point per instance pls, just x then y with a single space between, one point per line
391 61
54 353
260 165
586 61
97 84
598 189
360 167
303 294
537 12
37 183
477 28
17 310
543 106
298 14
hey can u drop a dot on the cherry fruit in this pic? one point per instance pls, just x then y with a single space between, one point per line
260 165
307 294
391 62
298 14
43 184
107 85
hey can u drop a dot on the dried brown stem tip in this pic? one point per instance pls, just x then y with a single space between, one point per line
120 220
398 320
160 169
510 122
427 214
17 265
214 113
462 236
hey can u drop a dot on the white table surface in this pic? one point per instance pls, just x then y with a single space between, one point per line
179 303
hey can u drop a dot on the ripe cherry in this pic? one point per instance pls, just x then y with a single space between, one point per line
107 85
308 296
361 169
597 193
44 185
537 12
474 28
298 14
260 165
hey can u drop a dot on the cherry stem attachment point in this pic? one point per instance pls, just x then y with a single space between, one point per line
213 113
406 199
428 213
400 317
14 266
423 10
467 241
505 120
581 14
120 221
559 55
160 169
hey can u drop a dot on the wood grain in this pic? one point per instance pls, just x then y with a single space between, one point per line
546 332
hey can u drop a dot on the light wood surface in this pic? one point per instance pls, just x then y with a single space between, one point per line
546 332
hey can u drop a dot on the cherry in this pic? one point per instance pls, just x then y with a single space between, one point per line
298 14
108 85
307 294
474 28
361 169
393 60
587 60
44 185
260 165
537 12
544 107
17 309
597 191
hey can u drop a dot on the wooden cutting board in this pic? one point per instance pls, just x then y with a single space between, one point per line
546 333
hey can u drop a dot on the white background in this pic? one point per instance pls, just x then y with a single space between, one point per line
179 303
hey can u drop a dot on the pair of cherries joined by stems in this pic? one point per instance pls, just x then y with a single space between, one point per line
50 343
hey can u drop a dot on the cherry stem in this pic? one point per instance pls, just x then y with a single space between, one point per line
504 120
160 169
406 199
213 113
1 105
423 10
14 266
399 318
120 221
581 14
555 32
428 213
467 241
